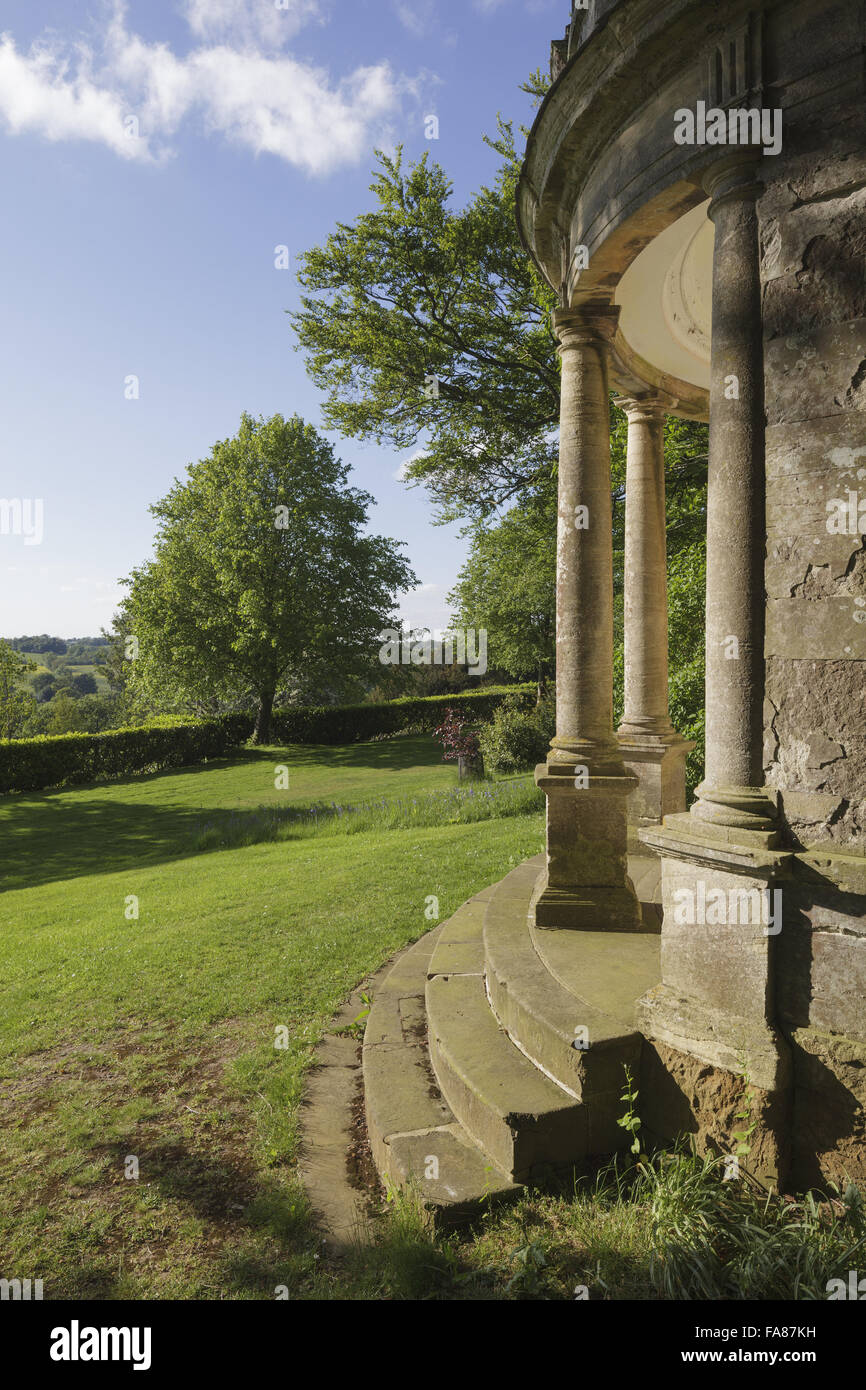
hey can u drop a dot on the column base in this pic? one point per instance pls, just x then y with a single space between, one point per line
587 909
737 808
714 1005
658 761
586 885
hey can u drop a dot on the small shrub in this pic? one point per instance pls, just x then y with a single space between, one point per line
516 738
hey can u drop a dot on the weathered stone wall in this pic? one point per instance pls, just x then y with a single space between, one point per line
813 261
813 265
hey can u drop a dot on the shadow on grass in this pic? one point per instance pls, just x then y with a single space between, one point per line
108 827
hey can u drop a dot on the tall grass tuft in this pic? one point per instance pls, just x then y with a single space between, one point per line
715 1239
458 806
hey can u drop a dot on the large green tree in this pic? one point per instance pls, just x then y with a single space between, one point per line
425 320
261 573
16 701
508 586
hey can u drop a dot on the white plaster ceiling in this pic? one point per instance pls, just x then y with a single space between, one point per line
666 299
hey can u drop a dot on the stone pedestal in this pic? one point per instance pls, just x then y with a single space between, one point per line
586 885
723 906
658 761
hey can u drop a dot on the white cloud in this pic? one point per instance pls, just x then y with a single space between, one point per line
416 15
401 473
39 93
266 101
249 21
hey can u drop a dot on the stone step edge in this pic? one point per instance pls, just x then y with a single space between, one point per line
523 1119
397 1155
540 1016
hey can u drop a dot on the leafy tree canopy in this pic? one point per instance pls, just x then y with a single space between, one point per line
261 573
16 702
422 319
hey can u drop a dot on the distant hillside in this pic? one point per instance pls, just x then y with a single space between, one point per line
77 649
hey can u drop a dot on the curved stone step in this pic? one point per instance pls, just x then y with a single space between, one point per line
413 1134
459 949
519 1116
612 969
582 1047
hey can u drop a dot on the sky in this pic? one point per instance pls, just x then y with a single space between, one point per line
153 156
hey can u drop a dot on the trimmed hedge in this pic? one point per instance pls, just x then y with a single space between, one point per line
360 723
56 760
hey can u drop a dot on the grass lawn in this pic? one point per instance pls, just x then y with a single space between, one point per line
148 1124
46 836
150 1038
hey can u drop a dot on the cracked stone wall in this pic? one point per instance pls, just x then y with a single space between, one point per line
813 257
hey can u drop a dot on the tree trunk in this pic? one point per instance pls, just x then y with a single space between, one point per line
540 686
262 731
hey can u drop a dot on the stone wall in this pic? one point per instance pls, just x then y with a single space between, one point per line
813 259
813 262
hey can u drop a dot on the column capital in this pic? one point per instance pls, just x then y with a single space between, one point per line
649 406
586 325
733 178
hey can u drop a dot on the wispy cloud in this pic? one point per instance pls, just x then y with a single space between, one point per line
401 473
133 96
416 16
260 22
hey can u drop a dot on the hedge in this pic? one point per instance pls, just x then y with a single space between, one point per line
359 723
55 760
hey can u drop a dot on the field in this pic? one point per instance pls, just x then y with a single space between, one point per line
148 1039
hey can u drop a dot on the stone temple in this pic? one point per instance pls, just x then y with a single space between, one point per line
694 190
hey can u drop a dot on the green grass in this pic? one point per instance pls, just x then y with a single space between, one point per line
152 1037
148 1040
157 817
481 801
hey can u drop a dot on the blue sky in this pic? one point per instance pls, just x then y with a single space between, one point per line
145 247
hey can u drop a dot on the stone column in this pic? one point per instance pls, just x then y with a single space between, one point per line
732 791
585 884
650 746
712 1015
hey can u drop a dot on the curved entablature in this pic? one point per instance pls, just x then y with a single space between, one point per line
604 176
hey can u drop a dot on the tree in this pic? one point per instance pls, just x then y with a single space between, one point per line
38 645
421 318
415 295
508 586
16 705
260 572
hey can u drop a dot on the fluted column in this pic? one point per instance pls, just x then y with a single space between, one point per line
732 792
586 883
